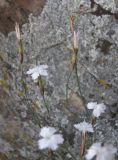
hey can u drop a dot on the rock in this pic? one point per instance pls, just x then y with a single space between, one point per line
47 39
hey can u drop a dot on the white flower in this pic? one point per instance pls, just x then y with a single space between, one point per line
49 140
47 131
37 71
98 109
91 105
84 127
105 152
93 150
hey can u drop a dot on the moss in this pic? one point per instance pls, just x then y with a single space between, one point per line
104 84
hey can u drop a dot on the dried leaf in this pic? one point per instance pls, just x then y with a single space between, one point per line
3 156
36 105
3 56
76 101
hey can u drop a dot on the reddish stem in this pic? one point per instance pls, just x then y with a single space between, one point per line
50 153
93 121
82 148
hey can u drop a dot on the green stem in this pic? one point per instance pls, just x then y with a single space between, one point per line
42 90
45 103
58 156
67 84
93 122
77 78
75 52
21 50
67 150
35 116
78 83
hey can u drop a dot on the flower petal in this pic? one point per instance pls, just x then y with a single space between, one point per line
43 72
84 127
47 132
93 150
99 110
91 105
43 144
35 75
37 71
55 140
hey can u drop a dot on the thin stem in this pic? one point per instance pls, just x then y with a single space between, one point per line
36 117
82 149
93 122
58 156
67 84
73 157
42 90
77 79
67 150
50 153
45 103
21 50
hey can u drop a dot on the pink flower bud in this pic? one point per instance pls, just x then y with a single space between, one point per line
75 40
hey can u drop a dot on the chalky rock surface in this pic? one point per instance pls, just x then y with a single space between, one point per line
47 39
